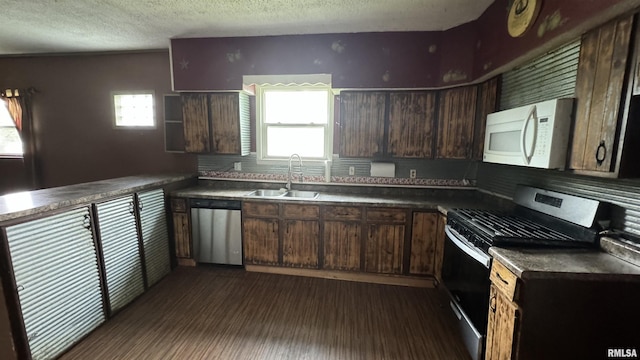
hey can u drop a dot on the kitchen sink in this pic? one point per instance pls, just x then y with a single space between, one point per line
291 194
267 193
299 194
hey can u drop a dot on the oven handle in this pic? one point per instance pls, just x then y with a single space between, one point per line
467 248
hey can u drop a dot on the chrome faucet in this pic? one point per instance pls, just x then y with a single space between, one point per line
299 172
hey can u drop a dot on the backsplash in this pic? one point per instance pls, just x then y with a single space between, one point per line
458 173
502 180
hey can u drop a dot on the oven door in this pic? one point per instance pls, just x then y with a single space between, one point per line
465 275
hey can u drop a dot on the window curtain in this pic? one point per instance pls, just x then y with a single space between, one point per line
15 109
19 105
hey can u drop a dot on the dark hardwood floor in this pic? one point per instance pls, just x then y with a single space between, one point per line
220 313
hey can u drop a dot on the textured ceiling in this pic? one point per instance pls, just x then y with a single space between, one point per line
49 26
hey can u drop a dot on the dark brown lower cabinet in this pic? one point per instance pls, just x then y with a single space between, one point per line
260 238
501 327
424 230
385 245
300 242
342 243
541 315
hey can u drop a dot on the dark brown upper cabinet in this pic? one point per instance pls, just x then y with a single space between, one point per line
487 103
411 124
456 120
230 123
216 123
195 117
362 117
605 136
387 124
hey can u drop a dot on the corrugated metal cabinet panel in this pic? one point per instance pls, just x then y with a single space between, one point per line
118 235
155 238
56 273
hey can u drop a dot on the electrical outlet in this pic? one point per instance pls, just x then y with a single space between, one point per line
412 173
352 170
237 166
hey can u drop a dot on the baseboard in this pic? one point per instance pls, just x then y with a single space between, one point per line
423 282
186 262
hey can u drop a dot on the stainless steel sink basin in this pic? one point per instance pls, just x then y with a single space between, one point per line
299 194
267 193
284 194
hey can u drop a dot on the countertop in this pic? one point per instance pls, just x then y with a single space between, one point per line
463 198
26 203
587 264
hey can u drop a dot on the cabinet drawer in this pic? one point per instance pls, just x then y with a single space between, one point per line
301 211
260 209
504 280
387 215
179 205
342 213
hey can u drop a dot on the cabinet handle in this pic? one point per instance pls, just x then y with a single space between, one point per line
492 303
19 288
502 279
131 207
140 207
601 153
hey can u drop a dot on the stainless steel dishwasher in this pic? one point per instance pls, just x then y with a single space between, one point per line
217 231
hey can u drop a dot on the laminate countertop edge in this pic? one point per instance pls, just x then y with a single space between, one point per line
29 203
577 264
435 203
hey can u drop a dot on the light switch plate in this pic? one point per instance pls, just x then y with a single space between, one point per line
352 170
237 166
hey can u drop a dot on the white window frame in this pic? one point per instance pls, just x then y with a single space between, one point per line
134 92
261 126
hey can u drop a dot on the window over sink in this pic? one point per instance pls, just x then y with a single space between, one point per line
294 116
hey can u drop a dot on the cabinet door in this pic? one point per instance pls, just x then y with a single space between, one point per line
501 326
423 243
342 244
55 268
155 237
229 123
411 124
362 123
300 243
260 237
456 122
195 117
487 103
385 244
181 228
181 232
118 236
599 89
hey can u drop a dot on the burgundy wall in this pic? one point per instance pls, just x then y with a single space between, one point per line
559 21
389 60
362 60
73 117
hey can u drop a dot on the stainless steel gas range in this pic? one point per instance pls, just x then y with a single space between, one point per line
541 218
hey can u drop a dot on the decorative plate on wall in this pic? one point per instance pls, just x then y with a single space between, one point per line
522 15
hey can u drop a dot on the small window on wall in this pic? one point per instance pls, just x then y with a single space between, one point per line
10 142
134 109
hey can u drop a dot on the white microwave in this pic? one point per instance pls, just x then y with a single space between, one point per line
534 135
